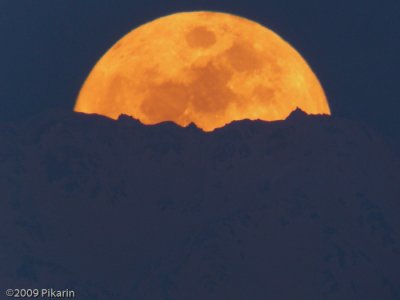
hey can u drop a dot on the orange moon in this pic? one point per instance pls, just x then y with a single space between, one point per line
205 68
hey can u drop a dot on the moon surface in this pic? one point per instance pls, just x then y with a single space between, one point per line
205 68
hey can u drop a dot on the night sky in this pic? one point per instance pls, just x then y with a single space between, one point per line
305 208
48 48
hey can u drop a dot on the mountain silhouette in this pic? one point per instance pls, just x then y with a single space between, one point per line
306 208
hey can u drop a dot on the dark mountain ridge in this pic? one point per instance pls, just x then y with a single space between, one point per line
306 208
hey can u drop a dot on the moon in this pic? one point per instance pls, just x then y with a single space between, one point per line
205 68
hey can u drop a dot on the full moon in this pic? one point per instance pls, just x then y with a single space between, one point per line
205 68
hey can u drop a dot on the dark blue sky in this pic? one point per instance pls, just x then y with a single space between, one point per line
48 47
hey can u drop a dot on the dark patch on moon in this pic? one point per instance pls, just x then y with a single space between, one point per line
264 93
208 93
166 101
200 37
243 57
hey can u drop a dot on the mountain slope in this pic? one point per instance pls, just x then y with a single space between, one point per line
306 208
